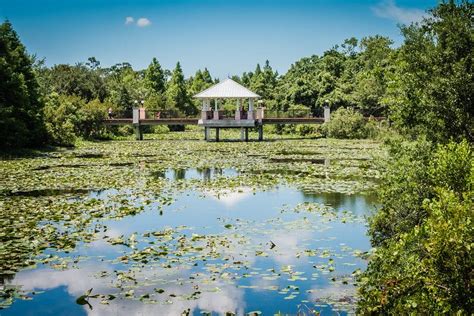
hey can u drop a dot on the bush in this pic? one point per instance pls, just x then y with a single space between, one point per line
426 262
69 117
347 124
304 130
160 129
125 130
60 115
405 185
90 119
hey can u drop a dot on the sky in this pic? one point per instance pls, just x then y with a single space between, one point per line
227 37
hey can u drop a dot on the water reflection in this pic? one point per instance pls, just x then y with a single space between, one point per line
205 174
227 298
358 203
284 257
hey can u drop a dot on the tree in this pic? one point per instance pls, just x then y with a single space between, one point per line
21 107
79 80
155 77
370 82
431 91
176 93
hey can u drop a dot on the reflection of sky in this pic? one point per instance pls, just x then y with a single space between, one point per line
76 281
257 216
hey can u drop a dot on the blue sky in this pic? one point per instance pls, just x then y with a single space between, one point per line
227 37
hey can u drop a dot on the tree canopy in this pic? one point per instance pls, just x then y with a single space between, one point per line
21 105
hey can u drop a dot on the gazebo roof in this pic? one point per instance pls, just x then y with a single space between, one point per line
227 89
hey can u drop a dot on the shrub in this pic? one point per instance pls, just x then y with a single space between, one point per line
304 130
60 115
90 119
425 261
69 117
160 129
346 123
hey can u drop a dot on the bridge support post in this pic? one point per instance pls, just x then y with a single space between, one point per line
246 134
327 114
260 132
206 133
242 134
217 134
138 132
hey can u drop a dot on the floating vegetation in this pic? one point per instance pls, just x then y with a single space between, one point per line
151 223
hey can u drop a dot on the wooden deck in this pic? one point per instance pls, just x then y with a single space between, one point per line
194 121
164 121
217 124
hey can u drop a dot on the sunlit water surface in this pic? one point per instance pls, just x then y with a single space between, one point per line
274 258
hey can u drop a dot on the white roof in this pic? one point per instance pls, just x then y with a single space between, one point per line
226 89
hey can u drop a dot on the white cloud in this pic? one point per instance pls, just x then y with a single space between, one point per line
129 20
388 9
143 22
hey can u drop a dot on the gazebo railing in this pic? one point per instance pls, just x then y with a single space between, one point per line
165 114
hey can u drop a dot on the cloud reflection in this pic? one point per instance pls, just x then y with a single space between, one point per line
77 281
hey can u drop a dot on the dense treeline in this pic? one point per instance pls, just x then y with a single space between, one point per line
413 85
423 233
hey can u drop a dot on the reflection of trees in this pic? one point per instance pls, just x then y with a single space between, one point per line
179 174
358 203
4 279
205 173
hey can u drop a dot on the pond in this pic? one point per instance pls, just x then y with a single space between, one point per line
172 226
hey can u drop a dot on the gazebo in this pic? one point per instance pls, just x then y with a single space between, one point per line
242 118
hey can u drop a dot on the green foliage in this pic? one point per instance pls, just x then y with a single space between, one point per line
69 117
305 130
155 77
177 95
21 107
78 80
404 187
298 110
61 118
201 81
371 80
424 260
91 119
431 91
346 123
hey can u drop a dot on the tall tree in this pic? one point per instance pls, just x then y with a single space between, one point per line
21 108
375 62
155 77
80 80
431 91
176 93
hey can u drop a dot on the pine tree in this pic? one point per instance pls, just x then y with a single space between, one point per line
207 77
176 93
155 77
21 107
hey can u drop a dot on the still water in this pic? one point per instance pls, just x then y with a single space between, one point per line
269 251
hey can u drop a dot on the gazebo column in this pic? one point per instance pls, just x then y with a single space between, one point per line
237 111
216 111
250 115
204 110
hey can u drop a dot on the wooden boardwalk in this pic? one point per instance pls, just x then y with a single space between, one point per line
194 121
217 124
